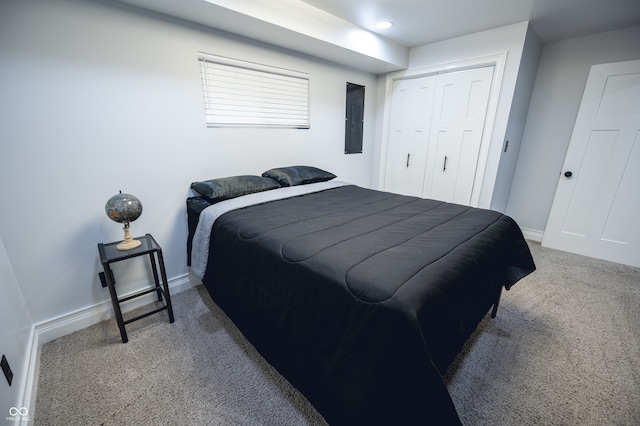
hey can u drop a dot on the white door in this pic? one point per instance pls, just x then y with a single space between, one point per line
411 107
460 110
596 209
435 133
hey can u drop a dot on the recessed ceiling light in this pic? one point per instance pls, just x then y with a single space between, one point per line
383 25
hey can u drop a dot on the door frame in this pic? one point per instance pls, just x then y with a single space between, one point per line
498 61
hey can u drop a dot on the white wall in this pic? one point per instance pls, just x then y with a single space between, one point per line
15 333
517 119
560 80
98 96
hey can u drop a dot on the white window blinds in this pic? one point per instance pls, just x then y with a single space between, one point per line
246 94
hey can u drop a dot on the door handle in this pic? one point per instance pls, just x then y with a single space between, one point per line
444 167
568 174
408 155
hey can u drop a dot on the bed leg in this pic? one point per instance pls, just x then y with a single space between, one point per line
494 311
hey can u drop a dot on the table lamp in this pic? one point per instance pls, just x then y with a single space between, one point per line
124 208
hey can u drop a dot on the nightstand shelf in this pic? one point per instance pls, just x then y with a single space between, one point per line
110 254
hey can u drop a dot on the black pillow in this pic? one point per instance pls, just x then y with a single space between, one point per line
233 186
298 175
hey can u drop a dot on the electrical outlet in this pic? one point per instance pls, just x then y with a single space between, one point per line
6 369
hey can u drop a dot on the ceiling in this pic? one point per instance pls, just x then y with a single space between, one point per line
343 31
420 22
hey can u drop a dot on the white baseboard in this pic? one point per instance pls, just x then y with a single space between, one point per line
532 234
48 330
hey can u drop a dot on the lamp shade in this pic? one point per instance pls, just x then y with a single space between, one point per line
123 208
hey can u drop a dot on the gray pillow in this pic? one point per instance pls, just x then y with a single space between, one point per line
298 175
234 186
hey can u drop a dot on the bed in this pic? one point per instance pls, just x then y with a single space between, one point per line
360 298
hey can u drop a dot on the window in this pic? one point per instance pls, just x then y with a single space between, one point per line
246 94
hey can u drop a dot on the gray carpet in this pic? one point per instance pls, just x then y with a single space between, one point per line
563 350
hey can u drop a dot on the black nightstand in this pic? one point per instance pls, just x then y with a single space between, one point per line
110 254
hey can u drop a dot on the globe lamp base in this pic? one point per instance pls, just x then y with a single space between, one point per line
128 243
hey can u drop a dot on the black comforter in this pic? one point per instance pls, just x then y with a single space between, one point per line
361 298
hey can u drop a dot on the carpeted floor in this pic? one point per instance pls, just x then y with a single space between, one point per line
563 350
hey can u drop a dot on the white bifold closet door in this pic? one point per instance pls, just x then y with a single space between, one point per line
409 126
435 134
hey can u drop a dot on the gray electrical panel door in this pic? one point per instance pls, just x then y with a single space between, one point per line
354 119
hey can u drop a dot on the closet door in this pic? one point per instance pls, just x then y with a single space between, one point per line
457 125
435 133
411 109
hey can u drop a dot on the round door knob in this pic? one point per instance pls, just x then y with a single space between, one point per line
568 174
